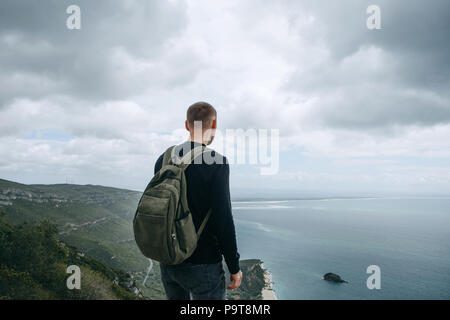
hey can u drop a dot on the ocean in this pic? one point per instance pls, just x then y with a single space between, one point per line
301 240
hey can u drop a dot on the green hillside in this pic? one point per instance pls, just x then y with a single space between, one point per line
98 221
33 264
95 219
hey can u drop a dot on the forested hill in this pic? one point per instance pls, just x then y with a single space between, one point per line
34 263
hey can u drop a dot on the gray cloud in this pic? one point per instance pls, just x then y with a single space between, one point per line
41 57
399 75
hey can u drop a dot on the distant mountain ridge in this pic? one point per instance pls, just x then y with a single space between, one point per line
98 221
63 193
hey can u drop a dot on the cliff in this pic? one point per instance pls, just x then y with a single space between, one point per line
256 283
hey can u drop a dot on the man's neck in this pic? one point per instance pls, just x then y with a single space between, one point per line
191 139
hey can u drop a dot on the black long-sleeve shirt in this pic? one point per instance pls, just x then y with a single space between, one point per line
208 187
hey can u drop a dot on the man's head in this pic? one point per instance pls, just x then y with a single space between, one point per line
201 122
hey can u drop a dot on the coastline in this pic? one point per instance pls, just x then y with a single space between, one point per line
267 292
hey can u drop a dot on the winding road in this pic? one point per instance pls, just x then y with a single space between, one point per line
148 271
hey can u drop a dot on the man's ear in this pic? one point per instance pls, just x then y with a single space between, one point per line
186 124
214 124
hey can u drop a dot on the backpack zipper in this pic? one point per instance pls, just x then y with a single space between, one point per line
173 240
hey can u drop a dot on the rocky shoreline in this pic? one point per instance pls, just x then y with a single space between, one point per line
267 292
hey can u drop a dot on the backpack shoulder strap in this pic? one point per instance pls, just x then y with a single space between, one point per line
187 158
202 226
167 158
171 158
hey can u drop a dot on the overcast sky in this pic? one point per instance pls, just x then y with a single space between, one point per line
359 110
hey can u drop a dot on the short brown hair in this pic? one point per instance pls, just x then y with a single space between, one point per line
201 111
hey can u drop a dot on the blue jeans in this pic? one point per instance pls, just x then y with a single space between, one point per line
197 281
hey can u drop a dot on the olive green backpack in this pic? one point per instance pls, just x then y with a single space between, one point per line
163 226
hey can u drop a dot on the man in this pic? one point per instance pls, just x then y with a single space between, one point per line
201 276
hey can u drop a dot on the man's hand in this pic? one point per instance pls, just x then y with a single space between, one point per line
235 280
